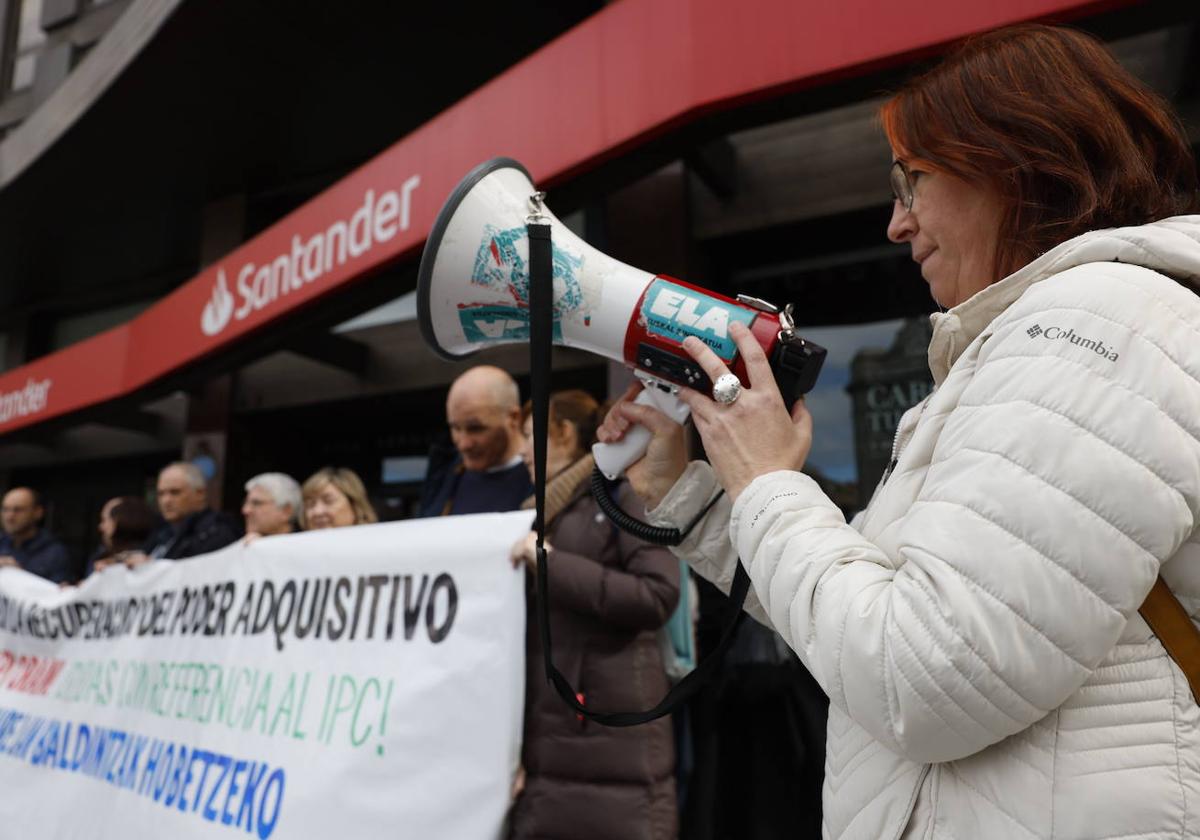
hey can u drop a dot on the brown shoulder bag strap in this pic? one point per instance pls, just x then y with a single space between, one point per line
1174 628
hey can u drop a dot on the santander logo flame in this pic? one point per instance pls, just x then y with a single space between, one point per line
219 309
265 283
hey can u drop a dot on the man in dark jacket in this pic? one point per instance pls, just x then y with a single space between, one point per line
25 543
191 527
483 411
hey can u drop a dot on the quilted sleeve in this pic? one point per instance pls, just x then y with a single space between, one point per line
1066 473
706 548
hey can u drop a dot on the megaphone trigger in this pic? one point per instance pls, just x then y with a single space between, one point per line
613 459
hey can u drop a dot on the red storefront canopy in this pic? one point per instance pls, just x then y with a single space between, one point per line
634 71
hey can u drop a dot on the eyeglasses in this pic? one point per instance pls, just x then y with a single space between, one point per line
902 188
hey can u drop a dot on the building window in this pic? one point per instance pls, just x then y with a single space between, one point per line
30 39
872 375
404 470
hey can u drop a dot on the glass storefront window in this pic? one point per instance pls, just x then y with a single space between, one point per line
872 375
404 470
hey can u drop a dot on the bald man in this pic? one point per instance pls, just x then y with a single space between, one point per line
483 412
23 541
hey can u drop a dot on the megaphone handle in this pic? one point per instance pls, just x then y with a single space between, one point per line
614 458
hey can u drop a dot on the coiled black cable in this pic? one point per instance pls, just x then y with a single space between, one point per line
649 533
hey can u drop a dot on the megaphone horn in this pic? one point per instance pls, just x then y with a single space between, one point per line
473 293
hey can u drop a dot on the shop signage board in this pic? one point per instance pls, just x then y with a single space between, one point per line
883 385
635 70
352 682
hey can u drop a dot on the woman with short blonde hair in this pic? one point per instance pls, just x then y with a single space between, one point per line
335 497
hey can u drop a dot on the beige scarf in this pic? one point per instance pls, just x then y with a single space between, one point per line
561 489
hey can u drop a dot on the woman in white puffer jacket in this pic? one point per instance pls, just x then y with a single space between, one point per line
976 627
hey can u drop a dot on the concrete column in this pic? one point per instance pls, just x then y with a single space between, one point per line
205 438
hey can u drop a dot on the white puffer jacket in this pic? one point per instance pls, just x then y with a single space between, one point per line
976 627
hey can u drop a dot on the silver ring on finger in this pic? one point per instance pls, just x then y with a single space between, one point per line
726 389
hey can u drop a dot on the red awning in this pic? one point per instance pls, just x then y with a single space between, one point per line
635 70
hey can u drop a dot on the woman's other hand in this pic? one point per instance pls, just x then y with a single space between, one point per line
518 784
666 456
524 551
133 559
754 435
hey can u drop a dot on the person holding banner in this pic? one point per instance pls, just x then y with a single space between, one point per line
989 629
190 527
125 524
612 593
25 543
335 497
483 472
272 505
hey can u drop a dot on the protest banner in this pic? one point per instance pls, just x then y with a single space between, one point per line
350 683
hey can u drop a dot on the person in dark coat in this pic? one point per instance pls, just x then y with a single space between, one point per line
612 594
125 525
485 473
191 527
23 540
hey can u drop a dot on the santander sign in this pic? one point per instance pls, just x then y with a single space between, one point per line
257 286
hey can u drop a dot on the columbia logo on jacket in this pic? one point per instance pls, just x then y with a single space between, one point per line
1059 334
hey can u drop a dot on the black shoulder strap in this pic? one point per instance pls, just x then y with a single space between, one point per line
541 325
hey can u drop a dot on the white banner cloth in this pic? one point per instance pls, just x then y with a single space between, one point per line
352 683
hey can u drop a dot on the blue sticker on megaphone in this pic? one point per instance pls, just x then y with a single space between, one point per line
675 312
484 323
500 266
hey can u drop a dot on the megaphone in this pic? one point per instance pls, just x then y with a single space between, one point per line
473 293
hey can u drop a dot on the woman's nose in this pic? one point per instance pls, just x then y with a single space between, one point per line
903 223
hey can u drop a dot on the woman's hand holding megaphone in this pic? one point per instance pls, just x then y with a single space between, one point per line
752 436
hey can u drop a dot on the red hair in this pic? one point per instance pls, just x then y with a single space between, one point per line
1046 118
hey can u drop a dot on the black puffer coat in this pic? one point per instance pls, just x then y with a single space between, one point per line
202 532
